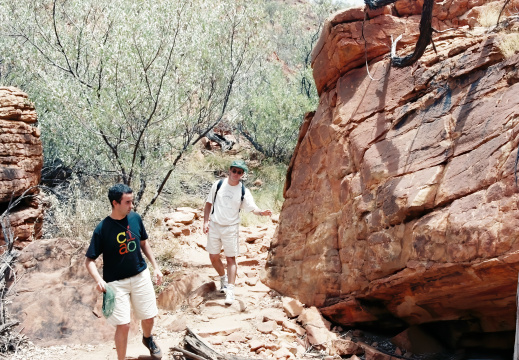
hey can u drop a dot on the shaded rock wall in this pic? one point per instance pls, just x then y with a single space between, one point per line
56 299
400 200
21 160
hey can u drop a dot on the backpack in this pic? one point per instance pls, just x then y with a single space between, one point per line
219 185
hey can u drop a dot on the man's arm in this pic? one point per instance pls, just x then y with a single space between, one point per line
146 249
259 212
250 205
207 211
92 270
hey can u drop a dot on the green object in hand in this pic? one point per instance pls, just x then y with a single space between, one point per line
108 301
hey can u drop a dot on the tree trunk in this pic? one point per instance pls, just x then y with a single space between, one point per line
426 31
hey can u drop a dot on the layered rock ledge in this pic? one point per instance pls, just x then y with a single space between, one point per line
401 200
21 160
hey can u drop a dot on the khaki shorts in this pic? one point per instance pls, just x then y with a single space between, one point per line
134 292
223 236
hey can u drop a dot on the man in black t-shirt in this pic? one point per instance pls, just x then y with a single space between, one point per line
121 238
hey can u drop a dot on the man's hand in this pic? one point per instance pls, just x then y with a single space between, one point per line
157 275
207 211
101 286
263 212
92 270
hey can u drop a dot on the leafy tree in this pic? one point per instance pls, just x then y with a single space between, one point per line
283 90
271 118
125 87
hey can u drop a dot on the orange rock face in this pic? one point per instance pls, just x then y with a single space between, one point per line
21 160
401 198
347 41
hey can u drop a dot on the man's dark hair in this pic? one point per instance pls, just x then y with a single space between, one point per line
116 193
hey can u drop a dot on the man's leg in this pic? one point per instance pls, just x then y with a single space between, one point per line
231 246
147 339
231 269
147 326
216 261
145 308
121 340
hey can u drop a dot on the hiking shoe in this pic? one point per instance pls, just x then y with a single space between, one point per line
229 295
152 347
223 283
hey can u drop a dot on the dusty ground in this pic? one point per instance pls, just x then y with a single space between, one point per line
227 329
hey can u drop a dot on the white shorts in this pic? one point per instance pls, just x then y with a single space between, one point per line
226 236
136 291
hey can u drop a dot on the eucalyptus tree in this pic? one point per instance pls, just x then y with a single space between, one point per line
125 87
282 89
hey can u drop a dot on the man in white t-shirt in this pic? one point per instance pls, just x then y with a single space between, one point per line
222 222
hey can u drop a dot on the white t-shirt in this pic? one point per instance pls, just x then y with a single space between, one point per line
228 203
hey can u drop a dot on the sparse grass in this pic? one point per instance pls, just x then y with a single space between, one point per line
192 180
168 250
508 44
488 17
77 207
267 196
74 209
489 14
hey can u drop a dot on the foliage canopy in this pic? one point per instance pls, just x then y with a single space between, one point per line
125 88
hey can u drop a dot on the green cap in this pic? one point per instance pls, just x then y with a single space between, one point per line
240 164
108 301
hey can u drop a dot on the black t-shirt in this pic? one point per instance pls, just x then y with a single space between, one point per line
120 243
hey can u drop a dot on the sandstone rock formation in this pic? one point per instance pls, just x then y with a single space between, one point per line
401 198
21 160
55 298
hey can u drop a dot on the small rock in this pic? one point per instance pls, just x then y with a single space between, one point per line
276 315
312 316
177 324
237 337
175 230
197 297
180 218
252 262
292 307
256 344
373 354
272 346
251 282
319 335
267 327
345 347
283 353
292 327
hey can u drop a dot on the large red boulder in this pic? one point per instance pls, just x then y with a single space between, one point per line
401 199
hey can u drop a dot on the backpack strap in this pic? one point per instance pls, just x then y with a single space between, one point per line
218 186
242 194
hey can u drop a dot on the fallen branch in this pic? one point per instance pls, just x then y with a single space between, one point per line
188 354
8 326
202 351
9 342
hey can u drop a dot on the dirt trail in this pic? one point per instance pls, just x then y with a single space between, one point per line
227 329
